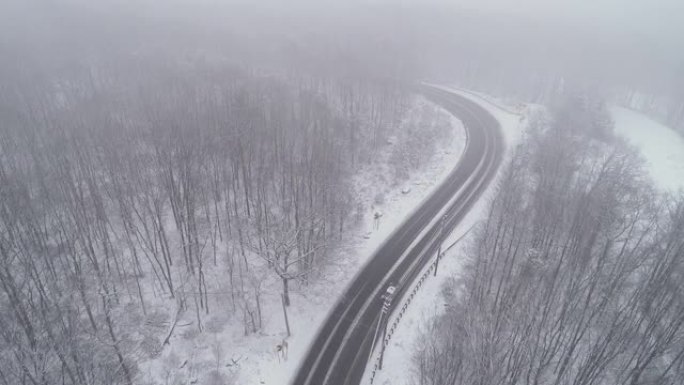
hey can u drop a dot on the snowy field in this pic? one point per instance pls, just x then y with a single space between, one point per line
661 147
429 302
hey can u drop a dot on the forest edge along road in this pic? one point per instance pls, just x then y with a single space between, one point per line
338 354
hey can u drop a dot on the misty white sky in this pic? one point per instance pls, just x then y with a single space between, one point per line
651 17
659 24
663 18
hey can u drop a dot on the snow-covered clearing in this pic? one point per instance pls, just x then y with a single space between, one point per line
429 302
661 147
224 354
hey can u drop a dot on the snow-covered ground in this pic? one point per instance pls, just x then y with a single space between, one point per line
428 302
663 151
511 117
224 354
310 307
661 147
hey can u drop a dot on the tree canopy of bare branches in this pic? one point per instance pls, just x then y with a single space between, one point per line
185 187
575 276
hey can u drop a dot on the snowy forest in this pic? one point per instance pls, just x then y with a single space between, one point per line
167 170
575 276
183 191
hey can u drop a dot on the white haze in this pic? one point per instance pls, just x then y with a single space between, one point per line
520 48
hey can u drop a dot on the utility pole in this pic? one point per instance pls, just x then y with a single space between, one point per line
377 331
384 317
439 251
385 309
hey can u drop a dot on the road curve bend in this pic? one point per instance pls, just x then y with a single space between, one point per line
340 351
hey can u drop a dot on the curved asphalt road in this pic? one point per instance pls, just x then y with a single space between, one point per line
340 352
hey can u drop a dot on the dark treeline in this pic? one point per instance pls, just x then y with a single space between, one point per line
576 275
125 193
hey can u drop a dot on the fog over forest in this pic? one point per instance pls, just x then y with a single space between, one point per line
617 46
188 189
